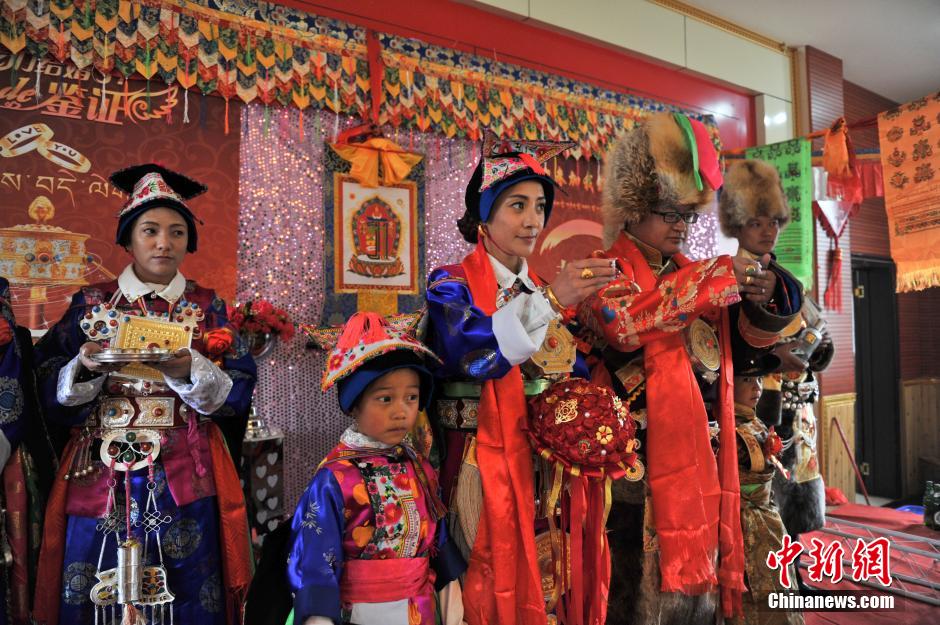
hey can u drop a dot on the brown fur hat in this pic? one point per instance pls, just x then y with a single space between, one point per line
648 166
752 189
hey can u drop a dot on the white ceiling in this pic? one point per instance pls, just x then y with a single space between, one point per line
891 47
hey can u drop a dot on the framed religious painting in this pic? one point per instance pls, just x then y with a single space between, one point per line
375 233
374 243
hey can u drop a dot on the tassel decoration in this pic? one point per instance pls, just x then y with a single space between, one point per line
132 616
367 327
833 296
38 88
127 98
335 110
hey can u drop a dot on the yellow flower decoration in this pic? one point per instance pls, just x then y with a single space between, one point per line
604 434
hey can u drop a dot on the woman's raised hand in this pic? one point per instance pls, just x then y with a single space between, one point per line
581 278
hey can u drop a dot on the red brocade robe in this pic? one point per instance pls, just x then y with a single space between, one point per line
695 500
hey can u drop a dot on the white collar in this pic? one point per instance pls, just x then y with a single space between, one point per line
133 287
506 278
354 438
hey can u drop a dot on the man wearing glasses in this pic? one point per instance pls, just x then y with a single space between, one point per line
661 339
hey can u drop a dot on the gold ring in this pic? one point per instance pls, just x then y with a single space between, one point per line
587 274
64 156
24 139
750 270
748 278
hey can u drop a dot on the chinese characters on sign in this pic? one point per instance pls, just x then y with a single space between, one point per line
869 560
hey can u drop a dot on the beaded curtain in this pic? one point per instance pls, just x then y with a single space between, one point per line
280 258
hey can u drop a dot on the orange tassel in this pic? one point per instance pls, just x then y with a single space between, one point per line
127 97
226 115
835 150
367 327
531 163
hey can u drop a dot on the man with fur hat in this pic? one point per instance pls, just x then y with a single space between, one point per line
661 340
753 210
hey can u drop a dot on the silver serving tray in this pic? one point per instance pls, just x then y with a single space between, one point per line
116 355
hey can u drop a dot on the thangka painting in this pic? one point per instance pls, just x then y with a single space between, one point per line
375 233
374 244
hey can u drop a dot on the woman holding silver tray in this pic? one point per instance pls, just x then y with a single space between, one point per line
147 374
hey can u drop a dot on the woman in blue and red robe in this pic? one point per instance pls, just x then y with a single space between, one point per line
200 516
487 316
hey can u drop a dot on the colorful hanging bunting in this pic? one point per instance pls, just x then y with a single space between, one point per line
178 41
910 155
291 59
793 161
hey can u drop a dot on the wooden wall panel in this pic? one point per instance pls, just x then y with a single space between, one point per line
825 90
920 429
870 229
837 468
919 328
861 104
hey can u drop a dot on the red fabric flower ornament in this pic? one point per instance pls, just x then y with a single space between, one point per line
261 317
772 446
581 424
218 341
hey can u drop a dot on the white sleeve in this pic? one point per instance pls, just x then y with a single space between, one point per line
68 392
520 326
207 387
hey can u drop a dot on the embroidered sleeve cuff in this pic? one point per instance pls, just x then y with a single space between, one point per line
515 343
71 393
317 601
207 388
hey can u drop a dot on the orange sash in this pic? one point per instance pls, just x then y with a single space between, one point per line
503 584
695 501
233 526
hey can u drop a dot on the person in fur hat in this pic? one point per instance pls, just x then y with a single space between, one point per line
660 340
753 210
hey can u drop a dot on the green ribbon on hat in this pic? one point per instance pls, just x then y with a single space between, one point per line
686 127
